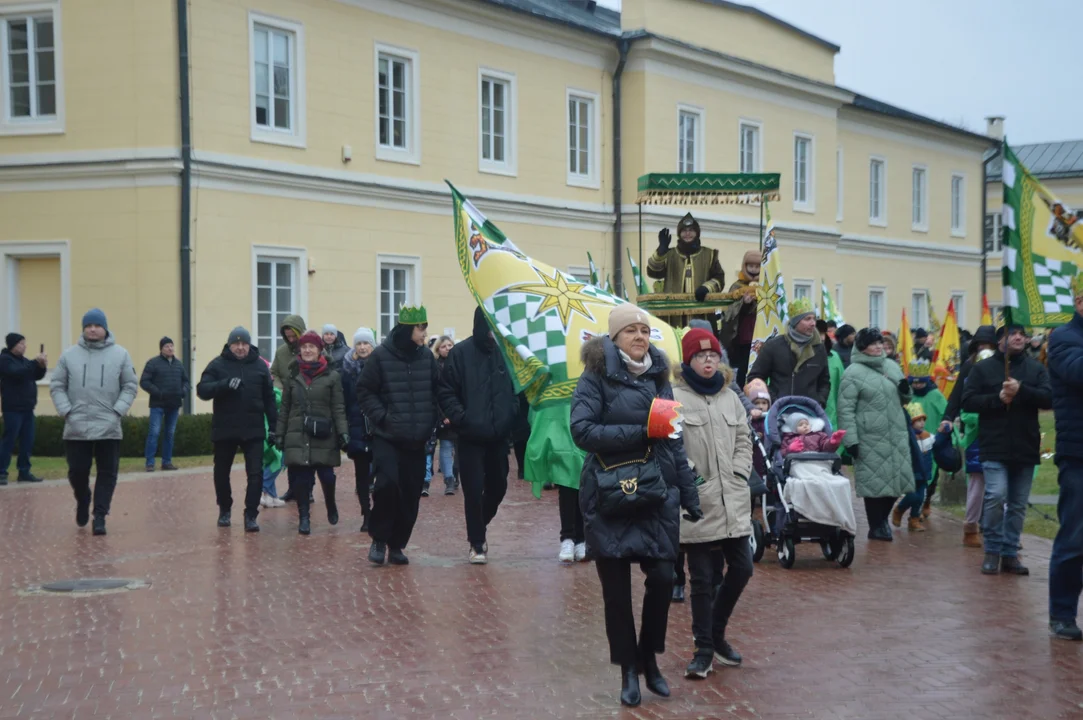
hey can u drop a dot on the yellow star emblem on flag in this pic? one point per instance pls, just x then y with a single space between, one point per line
556 292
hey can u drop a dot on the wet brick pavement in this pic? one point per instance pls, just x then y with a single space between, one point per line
277 625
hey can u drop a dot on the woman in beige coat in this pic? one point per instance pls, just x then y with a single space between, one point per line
718 443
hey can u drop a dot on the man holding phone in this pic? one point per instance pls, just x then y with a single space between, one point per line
18 398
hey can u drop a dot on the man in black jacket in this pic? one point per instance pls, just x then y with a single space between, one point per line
984 337
166 380
18 398
1009 441
478 398
795 363
240 385
397 394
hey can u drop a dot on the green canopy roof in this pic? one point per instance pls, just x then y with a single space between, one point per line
707 188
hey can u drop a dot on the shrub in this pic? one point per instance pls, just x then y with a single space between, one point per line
193 436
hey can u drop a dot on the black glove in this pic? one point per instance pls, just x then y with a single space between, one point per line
904 386
235 383
272 439
701 292
693 515
664 239
344 439
853 451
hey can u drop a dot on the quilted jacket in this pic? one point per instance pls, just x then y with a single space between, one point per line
871 412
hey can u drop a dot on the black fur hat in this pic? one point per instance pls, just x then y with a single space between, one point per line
867 336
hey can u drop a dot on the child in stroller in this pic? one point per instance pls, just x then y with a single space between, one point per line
809 499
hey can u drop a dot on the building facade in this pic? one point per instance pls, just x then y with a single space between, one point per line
321 133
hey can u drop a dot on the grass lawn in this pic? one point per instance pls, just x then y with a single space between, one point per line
56 468
1045 482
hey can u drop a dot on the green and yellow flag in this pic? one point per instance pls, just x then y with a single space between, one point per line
1043 250
541 317
593 271
829 312
771 311
637 275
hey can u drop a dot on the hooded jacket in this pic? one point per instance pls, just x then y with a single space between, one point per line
18 382
785 374
337 351
286 352
93 387
609 418
397 390
476 392
1008 434
166 381
1066 376
239 414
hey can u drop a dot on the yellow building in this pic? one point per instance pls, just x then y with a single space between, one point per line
196 165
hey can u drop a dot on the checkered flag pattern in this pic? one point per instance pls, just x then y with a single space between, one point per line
542 337
1054 279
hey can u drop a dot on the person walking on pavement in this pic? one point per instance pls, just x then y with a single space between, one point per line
18 398
477 396
334 346
443 432
397 393
795 363
240 387
622 376
292 328
718 443
272 459
1065 356
166 381
312 427
359 448
93 387
1010 441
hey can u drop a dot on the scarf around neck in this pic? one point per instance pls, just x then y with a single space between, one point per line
702 385
636 368
310 370
797 338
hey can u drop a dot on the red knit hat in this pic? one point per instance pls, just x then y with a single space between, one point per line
310 338
697 340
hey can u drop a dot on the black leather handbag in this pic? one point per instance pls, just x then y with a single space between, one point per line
630 486
315 426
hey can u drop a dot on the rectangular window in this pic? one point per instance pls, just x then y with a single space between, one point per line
802 290
398 108
276 297
580 273
877 307
958 298
750 147
920 199
30 67
802 172
689 141
838 185
919 309
994 241
276 79
496 109
958 205
399 278
580 139
877 209
393 90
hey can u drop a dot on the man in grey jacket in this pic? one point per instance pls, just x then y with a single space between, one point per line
93 387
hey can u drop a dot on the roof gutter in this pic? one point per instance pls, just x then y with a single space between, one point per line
186 195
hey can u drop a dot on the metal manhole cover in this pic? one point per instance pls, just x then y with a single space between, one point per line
87 586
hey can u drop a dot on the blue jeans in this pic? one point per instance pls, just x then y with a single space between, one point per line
18 426
914 500
447 462
1066 562
161 419
1005 484
269 478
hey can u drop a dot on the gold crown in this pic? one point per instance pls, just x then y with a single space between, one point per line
920 369
800 306
410 315
915 411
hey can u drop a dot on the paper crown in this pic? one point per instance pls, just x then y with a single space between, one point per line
916 411
410 315
800 306
920 369
664 420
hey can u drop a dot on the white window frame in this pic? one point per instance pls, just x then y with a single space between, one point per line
919 199
297 255
809 203
10 255
997 239
413 293
879 220
839 185
809 285
698 154
958 230
50 124
411 154
580 272
960 307
509 165
592 179
881 321
757 150
919 315
296 135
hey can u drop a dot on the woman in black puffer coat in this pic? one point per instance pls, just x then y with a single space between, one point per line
359 449
621 378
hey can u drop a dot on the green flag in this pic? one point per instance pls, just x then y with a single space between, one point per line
593 271
828 309
641 285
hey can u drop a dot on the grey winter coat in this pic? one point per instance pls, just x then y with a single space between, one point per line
93 387
870 409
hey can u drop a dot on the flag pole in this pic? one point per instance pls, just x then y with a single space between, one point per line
761 223
640 205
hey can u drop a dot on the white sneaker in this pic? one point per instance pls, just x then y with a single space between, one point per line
264 500
580 552
477 558
273 502
567 551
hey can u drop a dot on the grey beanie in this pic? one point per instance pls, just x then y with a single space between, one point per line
95 317
364 334
329 328
239 334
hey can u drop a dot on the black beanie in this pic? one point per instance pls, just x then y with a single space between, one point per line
165 341
239 334
843 332
12 340
867 336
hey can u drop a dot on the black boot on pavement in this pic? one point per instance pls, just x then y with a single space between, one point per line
1012 566
250 524
700 665
365 524
725 654
378 552
304 526
29 478
629 688
82 512
1065 630
991 566
397 557
223 518
99 525
655 682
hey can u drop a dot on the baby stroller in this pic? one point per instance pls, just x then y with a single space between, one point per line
812 481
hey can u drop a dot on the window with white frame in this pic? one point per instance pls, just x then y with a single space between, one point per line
958 299
958 205
496 99
750 147
398 103
802 290
838 185
920 199
277 80
689 140
877 188
919 309
582 163
398 286
994 241
30 59
877 307
580 273
276 297
802 171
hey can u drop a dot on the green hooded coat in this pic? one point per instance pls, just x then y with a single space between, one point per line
286 352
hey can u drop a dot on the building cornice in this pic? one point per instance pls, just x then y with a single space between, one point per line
891 248
881 126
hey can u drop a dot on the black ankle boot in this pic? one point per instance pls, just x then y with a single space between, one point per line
655 682
629 687
99 525
304 527
329 497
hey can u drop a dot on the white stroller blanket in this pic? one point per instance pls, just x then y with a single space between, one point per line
819 495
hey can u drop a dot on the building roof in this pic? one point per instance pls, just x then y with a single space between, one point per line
1048 161
864 102
752 10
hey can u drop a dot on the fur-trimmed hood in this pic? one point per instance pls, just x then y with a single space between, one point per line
601 356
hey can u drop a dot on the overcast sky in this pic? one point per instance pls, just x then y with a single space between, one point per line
956 60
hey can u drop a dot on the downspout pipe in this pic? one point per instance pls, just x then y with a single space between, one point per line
984 211
186 195
618 241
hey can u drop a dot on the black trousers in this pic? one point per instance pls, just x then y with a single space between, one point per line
620 627
739 355
878 510
714 593
520 457
679 578
225 452
304 479
400 475
81 455
362 474
571 516
483 472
